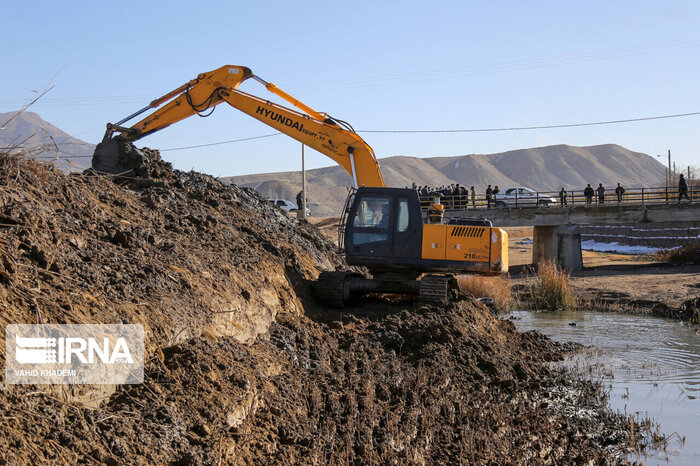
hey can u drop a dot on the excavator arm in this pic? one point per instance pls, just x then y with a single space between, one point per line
333 138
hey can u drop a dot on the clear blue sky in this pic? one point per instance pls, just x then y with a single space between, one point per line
393 65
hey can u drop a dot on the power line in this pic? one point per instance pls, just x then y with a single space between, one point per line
500 67
523 128
468 130
220 143
417 76
479 130
173 148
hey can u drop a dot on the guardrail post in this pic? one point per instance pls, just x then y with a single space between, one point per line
642 196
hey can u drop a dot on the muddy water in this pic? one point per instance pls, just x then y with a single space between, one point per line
651 367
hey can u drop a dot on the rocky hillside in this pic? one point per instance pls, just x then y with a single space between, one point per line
242 365
544 169
42 140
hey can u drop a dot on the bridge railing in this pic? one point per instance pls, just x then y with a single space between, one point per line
631 196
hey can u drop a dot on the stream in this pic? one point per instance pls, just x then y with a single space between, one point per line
649 365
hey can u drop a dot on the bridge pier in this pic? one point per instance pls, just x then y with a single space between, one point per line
559 242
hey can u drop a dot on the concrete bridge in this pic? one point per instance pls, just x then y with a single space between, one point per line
556 229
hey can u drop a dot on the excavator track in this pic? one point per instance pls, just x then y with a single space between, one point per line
436 288
332 288
335 289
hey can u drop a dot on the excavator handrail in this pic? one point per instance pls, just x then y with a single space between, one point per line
343 216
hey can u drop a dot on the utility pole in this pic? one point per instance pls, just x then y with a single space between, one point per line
670 173
303 184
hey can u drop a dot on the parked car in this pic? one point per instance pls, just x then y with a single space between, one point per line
522 197
287 206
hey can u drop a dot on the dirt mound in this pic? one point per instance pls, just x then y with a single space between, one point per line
422 387
177 252
243 367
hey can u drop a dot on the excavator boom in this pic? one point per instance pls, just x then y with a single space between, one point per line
202 94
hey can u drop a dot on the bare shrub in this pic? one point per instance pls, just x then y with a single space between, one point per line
686 255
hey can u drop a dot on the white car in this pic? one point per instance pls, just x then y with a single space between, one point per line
522 197
287 206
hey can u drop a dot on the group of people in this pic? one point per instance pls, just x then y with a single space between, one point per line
461 195
589 193
491 195
442 191
458 194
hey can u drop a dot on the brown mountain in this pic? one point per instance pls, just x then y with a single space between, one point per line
42 140
544 169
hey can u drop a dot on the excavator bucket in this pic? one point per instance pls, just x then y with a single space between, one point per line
106 157
115 157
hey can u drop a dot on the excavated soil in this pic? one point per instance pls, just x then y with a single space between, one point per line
242 365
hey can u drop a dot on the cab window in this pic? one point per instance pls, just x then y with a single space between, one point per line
372 215
402 216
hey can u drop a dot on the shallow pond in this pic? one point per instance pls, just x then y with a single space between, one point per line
651 367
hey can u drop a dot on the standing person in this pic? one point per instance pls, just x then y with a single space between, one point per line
300 200
472 192
562 197
682 189
588 194
489 191
493 194
619 191
601 193
456 201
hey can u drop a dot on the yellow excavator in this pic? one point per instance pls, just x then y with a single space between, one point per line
381 228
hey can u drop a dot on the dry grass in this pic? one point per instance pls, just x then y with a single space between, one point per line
496 288
686 255
550 289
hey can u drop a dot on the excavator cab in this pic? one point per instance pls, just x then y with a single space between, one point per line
383 228
385 231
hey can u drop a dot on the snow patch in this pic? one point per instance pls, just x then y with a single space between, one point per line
591 245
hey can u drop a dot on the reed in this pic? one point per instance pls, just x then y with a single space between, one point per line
550 289
496 288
